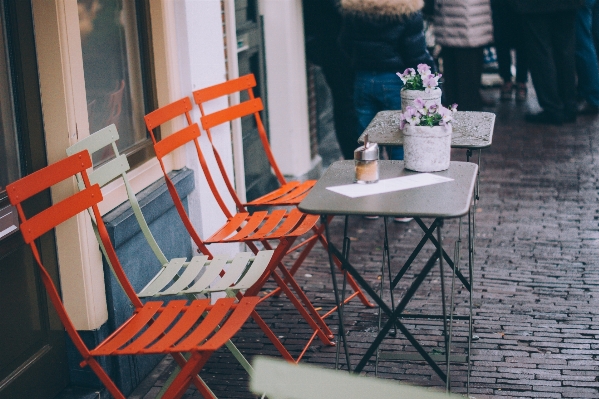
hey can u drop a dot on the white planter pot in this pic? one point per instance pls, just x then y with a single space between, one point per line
409 96
427 149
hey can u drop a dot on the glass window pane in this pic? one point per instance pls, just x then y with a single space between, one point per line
9 152
112 68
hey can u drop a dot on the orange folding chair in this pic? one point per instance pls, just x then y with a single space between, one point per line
156 327
281 226
289 193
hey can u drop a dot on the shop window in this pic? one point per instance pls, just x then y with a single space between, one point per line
115 42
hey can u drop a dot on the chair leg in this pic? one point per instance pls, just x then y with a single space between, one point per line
108 383
187 374
197 380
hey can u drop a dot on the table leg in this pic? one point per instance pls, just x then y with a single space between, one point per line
346 247
443 305
336 291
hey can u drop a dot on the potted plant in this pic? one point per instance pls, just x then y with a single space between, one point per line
420 83
427 129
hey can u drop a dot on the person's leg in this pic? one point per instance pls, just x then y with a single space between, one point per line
501 34
564 45
587 66
340 79
595 25
390 97
365 101
451 85
520 47
467 78
542 65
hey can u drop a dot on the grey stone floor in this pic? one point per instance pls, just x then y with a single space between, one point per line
536 286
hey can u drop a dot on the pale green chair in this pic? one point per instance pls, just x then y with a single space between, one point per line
194 278
281 380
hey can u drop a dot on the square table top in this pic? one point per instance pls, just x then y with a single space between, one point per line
445 200
473 130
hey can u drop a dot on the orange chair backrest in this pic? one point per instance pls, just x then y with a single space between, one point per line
252 106
44 221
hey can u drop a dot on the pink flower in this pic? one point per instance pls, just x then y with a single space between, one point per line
420 106
403 77
402 121
446 116
453 108
430 82
431 107
424 70
412 116
409 72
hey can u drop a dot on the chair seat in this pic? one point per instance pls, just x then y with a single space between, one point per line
263 225
178 327
179 277
291 193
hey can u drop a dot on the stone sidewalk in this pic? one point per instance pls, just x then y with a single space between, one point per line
536 278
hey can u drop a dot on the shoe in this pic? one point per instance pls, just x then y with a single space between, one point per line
371 217
400 219
544 118
506 91
521 92
587 108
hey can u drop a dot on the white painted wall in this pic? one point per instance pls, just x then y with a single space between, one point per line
201 62
289 126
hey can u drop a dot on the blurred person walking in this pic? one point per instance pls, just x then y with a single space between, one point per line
507 34
463 28
587 65
382 37
322 25
549 33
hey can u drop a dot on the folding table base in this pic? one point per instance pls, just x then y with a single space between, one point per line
395 313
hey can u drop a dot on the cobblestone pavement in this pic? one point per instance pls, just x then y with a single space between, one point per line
536 279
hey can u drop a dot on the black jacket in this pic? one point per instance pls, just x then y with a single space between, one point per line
384 35
544 6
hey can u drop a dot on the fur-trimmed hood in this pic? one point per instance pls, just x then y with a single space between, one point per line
381 8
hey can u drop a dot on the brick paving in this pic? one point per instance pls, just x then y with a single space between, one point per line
536 280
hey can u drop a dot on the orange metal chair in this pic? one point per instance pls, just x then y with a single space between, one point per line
279 225
289 193
156 327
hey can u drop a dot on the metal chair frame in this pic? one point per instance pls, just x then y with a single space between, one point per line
280 225
289 193
177 276
156 327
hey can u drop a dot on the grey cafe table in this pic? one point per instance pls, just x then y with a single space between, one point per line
451 199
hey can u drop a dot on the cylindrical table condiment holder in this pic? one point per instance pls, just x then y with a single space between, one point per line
366 159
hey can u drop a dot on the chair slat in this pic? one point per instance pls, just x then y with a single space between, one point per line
234 323
36 182
190 273
234 112
163 279
293 218
208 325
159 326
176 140
212 271
134 325
235 269
273 220
58 213
109 171
223 89
187 321
273 195
261 261
298 191
252 224
229 228
95 141
168 112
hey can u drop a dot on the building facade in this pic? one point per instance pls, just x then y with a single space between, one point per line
71 67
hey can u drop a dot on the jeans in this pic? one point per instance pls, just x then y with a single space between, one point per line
587 65
375 92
